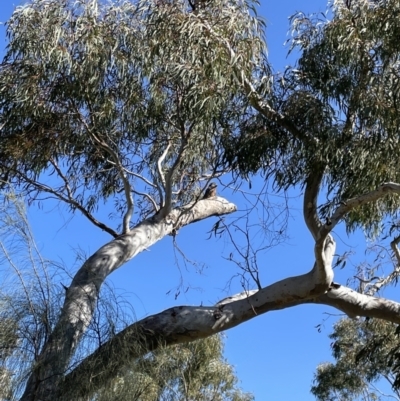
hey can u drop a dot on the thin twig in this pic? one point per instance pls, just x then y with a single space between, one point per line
121 171
73 202
347 206
132 173
152 201
393 275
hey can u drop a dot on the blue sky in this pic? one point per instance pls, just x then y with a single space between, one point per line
276 354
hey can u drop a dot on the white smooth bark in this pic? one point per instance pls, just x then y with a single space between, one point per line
83 292
183 324
188 323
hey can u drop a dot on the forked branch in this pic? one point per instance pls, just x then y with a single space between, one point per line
188 323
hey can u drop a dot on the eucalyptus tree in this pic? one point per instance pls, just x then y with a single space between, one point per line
137 103
31 293
362 350
123 103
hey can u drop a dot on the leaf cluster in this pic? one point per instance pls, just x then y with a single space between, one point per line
361 349
337 111
91 91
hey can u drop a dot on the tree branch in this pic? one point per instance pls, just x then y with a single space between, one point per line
69 200
150 199
310 213
82 295
140 177
168 181
393 275
325 245
350 204
188 323
355 304
159 168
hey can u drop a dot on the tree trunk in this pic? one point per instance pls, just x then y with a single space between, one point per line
82 295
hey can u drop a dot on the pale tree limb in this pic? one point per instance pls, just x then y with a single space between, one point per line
354 304
188 323
324 244
82 295
324 247
159 167
350 204
324 251
182 324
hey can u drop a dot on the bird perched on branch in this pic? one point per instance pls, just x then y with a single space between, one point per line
211 191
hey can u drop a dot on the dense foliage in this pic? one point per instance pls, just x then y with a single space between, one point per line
140 104
195 371
91 92
336 111
362 350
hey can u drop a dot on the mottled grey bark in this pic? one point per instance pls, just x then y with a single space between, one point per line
83 292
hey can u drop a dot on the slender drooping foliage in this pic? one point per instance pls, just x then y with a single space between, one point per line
141 104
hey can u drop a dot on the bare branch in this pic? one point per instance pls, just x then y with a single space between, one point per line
355 304
83 292
325 245
71 201
144 179
324 251
152 201
188 323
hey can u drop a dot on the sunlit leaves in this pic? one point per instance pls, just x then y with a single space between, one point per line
338 110
84 83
